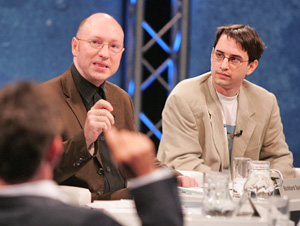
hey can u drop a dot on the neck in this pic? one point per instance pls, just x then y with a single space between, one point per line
43 173
228 92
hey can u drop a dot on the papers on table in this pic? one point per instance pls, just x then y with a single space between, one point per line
123 211
193 190
123 205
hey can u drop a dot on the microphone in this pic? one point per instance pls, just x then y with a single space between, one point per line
232 135
238 134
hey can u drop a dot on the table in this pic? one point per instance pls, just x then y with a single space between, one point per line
124 212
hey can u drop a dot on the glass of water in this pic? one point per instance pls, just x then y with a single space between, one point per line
240 171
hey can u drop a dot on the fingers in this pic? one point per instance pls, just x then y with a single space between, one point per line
103 104
102 118
131 149
187 182
99 119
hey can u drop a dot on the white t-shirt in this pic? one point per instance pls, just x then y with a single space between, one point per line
229 113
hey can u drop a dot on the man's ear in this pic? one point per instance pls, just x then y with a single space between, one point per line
75 46
54 151
252 66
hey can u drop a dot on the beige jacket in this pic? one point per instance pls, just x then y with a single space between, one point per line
193 132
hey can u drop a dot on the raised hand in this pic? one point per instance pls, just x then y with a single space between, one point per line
133 150
99 119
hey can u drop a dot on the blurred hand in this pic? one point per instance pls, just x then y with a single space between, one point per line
99 119
133 150
187 182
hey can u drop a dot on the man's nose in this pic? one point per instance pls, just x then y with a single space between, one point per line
104 50
225 63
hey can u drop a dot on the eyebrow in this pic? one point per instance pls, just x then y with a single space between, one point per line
101 38
236 56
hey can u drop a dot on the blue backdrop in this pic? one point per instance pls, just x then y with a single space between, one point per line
35 37
35 43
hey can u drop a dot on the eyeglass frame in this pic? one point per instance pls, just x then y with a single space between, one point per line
101 45
228 58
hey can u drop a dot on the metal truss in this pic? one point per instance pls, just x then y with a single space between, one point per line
140 73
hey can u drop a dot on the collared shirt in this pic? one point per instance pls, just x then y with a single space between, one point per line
42 188
87 92
87 89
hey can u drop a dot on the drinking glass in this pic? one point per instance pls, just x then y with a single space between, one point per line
240 173
217 201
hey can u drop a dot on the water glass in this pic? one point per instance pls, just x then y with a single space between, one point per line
217 201
240 171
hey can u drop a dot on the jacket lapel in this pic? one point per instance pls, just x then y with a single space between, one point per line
73 97
217 126
245 122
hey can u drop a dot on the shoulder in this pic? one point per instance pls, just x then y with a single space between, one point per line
256 92
259 98
191 88
49 211
56 82
113 91
110 87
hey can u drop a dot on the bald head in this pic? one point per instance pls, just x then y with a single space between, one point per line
98 64
98 18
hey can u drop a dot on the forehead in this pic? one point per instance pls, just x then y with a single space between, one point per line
230 46
105 28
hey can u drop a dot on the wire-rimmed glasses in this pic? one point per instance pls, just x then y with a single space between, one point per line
96 44
232 60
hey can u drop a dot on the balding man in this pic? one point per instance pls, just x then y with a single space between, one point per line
90 106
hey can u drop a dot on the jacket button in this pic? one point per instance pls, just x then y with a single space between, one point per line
76 164
81 159
100 171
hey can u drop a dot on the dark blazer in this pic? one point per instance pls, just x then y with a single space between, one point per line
77 167
160 206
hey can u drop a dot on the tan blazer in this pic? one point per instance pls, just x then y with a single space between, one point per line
77 166
193 132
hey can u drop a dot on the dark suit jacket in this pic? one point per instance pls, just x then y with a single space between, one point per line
77 166
160 206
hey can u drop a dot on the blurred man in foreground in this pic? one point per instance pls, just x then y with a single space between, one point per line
30 146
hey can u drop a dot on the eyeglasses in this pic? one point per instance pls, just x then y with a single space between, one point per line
113 47
233 61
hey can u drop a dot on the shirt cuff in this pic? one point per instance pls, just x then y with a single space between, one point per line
91 149
157 175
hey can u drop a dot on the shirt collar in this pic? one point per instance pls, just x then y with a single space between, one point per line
85 88
42 188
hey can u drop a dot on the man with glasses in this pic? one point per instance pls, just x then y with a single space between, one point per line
214 117
90 106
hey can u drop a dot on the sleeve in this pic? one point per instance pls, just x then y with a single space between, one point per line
179 147
158 203
74 156
275 148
